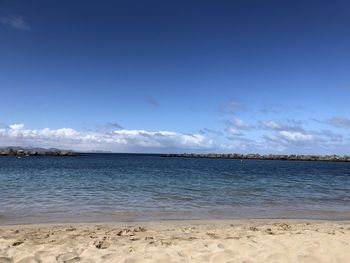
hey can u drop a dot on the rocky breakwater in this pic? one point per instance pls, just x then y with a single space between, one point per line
15 151
291 157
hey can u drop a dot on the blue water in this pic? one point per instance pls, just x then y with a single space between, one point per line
114 187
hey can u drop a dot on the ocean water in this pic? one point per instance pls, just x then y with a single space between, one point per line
121 187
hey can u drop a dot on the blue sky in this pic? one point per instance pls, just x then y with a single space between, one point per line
174 76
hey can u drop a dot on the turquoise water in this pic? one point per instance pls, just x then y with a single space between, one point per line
117 187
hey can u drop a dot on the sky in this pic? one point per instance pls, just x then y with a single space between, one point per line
176 76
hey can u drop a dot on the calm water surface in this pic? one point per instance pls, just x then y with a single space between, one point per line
115 187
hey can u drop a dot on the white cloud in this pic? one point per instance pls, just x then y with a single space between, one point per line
239 124
241 144
269 124
233 131
289 125
16 126
117 140
15 21
295 136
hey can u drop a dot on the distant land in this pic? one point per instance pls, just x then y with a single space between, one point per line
34 151
29 151
286 157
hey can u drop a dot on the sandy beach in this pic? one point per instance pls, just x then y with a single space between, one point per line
179 241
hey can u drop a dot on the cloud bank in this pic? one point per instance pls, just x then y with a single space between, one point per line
118 140
288 137
236 135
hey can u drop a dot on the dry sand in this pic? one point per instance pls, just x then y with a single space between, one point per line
180 241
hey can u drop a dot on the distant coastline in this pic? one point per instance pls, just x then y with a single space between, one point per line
19 151
29 151
286 157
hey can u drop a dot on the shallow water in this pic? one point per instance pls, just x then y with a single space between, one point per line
120 187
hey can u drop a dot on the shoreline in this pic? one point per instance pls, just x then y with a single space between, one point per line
75 221
176 222
249 240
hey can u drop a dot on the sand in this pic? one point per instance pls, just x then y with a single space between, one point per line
178 241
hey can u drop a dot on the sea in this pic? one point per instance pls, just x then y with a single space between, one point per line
140 187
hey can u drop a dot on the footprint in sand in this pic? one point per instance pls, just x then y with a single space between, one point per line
5 260
308 259
28 260
44 256
221 246
125 232
101 244
140 229
68 258
108 256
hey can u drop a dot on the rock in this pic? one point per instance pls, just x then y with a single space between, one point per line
291 157
17 243
17 151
